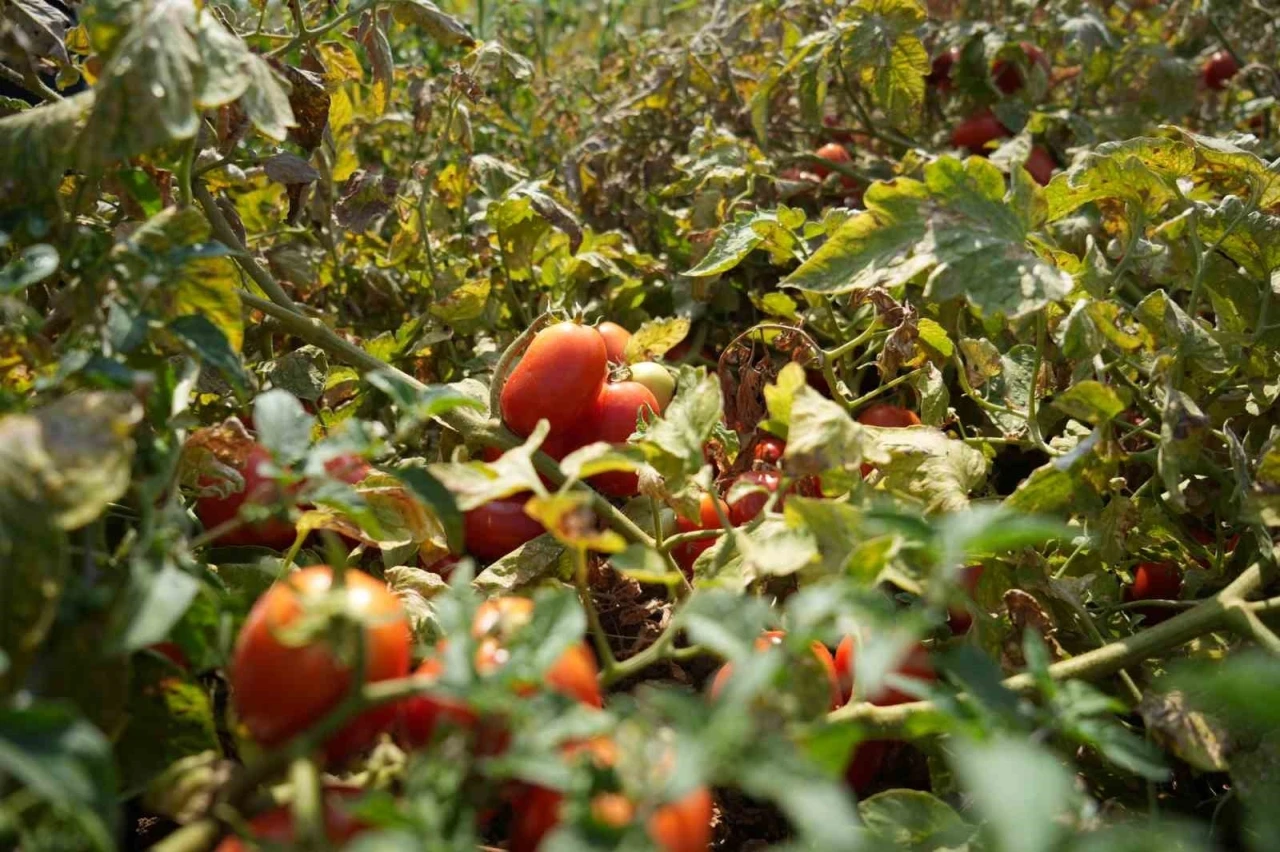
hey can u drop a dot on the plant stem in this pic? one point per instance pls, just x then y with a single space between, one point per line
582 582
887 386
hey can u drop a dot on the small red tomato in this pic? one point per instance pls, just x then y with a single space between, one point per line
276 825
684 825
746 508
280 686
1154 581
1007 74
960 619
832 152
259 490
348 468
686 554
977 131
557 379
915 665
826 664
940 69
613 419
769 450
615 340
1218 69
865 764
885 415
173 651
1040 165
498 527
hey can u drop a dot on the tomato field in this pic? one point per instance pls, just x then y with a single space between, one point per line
568 425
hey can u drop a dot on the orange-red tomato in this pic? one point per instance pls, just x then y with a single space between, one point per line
557 379
916 665
612 418
1218 69
348 468
1040 164
276 825
769 450
832 152
498 527
174 653
280 687
686 554
865 764
684 825
574 675
940 69
960 619
615 340
259 490
976 131
1008 76
744 509
774 637
885 415
1154 581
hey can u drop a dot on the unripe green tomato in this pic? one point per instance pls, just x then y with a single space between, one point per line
657 379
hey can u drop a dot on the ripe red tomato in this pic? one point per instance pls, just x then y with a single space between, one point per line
826 663
1218 69
769 450
574 675
915 665
940 69
558 378
276 825
615 340
173 651
1040 164
745 509
976 131
832 152
885 415
960 619
348 468
259 490
498 527
280 688
612 418
686 554
1008 76
865 764
1154 581
684 825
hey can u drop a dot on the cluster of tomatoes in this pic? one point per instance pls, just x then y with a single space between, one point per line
286 675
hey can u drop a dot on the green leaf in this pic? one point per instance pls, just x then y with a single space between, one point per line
36 146
283 425
913 821
155 602
1092 401
65 761
440 500
926 464
1139 172
881 46
823 437
1019 789
304 372
209 343
35 264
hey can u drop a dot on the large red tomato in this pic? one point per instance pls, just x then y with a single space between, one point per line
557 379
1008 76
276 825
865 764
615 341
259 490
976 131
1218 69
280 687
574 675
826 664
686 554
1155 581
684 825
612 418
498 527
885 415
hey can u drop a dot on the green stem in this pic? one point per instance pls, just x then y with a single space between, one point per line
319 32
887 386
582 582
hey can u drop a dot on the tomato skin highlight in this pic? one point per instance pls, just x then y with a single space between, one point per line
612 418
1008 76
1154 581
276 825
279 690
976 131
1218 69
615 341
686 554
498 527
259 489
832 152
1040 165
557 379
